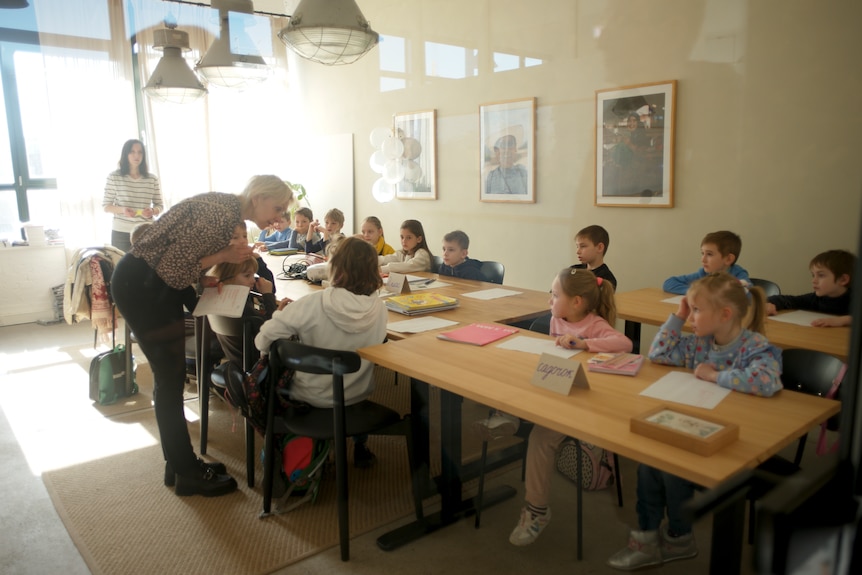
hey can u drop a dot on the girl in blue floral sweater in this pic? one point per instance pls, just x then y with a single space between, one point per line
724 352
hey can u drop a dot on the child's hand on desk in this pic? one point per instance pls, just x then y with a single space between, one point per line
571 342
838 321
706 372
283 303
770 309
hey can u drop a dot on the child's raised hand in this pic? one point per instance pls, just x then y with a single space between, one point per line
263 285
237 251
706 372
684 309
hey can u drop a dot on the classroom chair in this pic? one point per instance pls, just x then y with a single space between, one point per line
246 328
335 424
493 272
770 288
805 371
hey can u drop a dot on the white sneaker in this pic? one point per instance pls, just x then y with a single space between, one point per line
529 527
496 426
642 551
673 548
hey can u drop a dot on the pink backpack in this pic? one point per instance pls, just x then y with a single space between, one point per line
597 464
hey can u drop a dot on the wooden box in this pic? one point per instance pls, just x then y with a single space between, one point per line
684 429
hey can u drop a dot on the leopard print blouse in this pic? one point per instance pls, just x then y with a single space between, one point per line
195 228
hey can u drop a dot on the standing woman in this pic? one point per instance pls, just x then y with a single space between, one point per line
132 194
153 282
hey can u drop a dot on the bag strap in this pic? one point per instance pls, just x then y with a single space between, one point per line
822 449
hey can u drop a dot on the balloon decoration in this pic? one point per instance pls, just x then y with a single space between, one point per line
393 159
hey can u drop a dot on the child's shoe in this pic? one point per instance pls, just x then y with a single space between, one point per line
673 548
498 425
529 527
642 551
362 456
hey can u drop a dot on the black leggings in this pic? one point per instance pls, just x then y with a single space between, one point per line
154 311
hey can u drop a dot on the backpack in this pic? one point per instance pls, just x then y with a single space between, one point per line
597 464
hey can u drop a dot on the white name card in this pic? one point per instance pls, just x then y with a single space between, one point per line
558 374
397 283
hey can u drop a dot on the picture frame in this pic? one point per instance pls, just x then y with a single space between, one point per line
419 135
685 429
507 157
635 131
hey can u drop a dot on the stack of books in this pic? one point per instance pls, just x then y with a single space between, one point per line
620 363
415 304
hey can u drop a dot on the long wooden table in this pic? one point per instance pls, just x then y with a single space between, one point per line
646 306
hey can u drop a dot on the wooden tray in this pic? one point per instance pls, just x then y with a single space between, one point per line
685 429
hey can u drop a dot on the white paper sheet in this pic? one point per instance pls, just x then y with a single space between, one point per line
799 317
537 346
683 387
675 299
492 293
426 283
419 324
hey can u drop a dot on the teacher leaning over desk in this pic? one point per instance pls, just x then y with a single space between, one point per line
159 276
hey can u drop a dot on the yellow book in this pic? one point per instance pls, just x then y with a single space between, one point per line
420 302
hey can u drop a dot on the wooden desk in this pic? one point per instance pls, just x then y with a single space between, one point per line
600 415
646 306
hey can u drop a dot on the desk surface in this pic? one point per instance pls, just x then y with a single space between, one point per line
646 306
601 415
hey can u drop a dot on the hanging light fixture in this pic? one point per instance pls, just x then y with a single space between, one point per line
330 32
173 80
222 67
14 4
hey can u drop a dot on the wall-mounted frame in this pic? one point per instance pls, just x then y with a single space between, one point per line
507 168
635 130
419 131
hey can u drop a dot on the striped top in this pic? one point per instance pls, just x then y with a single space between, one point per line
128 192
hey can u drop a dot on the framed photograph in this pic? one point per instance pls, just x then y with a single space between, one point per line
507 132
634 145
418 131
684 429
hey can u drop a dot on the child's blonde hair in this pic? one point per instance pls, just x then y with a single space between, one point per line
722 289
226 271
335 215
597 292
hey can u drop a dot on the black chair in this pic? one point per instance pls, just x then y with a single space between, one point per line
493 272
805 371
436 262
542 324
335 424
246 329
770 288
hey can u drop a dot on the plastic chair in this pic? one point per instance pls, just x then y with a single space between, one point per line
245 328
336 424
436 262
493 272
805 371
770 288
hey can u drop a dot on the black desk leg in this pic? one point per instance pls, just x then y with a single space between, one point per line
633 332
728 524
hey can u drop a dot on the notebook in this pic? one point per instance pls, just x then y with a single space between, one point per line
619 363
413 304
477 333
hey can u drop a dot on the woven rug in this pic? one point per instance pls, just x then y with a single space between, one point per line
123 520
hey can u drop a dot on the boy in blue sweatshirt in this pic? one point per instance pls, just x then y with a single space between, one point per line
719 252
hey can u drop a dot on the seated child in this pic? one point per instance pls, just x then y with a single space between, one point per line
346 315
583 310
831 273
301 238
721 351
455 260
719 253
333 221
592 243
277 232
414 255
262 303
372 232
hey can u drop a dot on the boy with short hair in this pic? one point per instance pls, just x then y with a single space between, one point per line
333 221
831 272
592 243
455 260
301 238
719 252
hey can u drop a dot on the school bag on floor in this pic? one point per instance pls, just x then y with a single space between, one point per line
108 381
597 464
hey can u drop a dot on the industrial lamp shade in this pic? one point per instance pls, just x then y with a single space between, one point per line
172 80
222 67
330 32
14 4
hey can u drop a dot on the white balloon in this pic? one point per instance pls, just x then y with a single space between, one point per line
378 136
377 161
412 171
383 192
393 171
412 148
392 147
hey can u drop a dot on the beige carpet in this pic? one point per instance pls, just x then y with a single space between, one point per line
124 520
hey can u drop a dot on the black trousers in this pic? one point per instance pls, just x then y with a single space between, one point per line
121 240
154 311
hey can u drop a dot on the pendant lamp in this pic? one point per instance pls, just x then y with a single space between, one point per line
222 67
172 80
330 32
